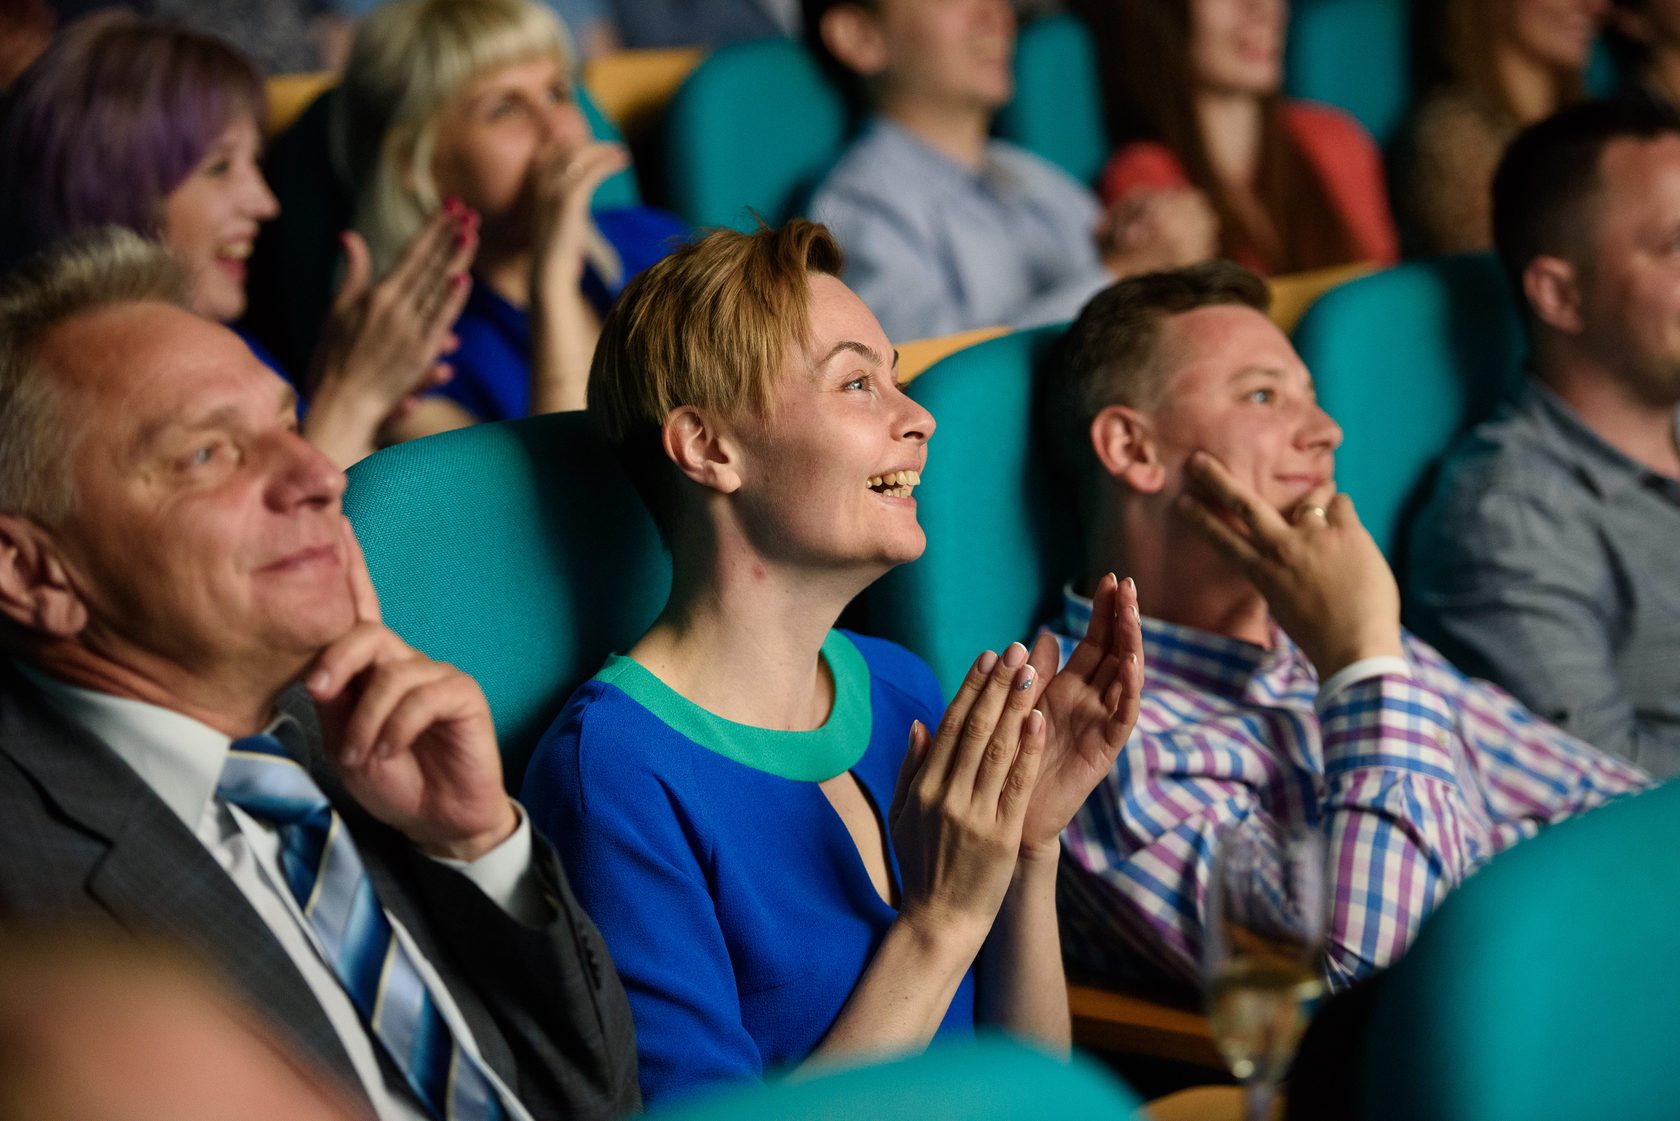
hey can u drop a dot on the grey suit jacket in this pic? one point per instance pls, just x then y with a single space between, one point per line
83 837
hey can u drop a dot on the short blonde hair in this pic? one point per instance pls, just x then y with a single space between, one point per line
94 269
711 325
409 59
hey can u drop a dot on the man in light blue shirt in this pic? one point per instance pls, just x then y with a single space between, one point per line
946 229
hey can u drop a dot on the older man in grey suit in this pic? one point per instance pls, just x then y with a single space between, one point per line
172 561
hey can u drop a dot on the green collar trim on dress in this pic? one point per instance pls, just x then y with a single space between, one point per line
813 756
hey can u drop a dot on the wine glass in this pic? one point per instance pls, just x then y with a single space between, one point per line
1261 951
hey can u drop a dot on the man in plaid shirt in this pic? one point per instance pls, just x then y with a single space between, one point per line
1278 681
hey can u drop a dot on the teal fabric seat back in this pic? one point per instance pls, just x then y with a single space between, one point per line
751 130
1057 110
1405 359
517 551
988 1079
1544 988
1000 539
1354 54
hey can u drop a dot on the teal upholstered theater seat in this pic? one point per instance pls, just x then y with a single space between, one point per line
1000 536
990 1079
1057 110
1546 987
751 130
1405 359
517 551
1354 54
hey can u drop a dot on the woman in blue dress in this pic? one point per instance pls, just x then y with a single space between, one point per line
473 101
778 878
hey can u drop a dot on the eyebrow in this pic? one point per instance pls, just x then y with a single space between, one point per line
856 347
155 432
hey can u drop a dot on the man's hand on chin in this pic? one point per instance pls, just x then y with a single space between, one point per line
412 738
1322 575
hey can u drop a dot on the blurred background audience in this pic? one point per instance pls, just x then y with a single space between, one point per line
151 126
1483 69
1191 99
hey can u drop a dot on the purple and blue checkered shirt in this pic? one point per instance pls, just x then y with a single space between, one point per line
1414 780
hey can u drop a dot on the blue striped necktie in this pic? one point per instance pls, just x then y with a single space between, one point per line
327 879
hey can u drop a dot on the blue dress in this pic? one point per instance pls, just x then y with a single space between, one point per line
733 900
493 362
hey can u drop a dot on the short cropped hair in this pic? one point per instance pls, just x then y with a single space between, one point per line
1111 355
711 326
1549 178
84 273
408 60
109 120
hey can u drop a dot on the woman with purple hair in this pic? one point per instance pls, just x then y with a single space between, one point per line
156 127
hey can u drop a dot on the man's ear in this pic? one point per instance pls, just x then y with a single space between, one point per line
853 35
702 448
1125 445
35 587
1553 288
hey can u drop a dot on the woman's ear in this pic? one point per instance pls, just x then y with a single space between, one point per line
1124 442
853 35
702 448
1554 293
36 591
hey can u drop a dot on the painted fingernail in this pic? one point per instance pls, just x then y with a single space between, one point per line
453 205
1035 722
1024 677
986 662
1014 654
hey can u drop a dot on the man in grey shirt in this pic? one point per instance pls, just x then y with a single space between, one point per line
1547 558
946 229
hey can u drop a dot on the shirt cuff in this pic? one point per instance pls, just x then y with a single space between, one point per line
504 873
1359 671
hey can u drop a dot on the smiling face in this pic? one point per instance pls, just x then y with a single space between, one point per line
948 51
206 532
1239 392
490 135
210 219
1630 283
1236 46
827 476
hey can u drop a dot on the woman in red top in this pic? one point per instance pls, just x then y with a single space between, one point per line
1191 91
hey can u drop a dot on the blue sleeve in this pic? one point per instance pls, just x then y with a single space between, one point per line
635 845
